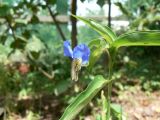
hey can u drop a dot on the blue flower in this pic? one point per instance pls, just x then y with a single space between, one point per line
80 52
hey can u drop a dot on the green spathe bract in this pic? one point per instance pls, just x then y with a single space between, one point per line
144 38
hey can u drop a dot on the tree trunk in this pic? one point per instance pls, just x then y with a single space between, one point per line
74 23
109 13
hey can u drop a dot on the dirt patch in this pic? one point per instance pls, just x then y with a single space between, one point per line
136 104
139 105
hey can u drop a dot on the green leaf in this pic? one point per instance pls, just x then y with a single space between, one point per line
3 38
101 2
19 43
34 19
147 38
84 98
4 52
34 8
34 46
11 2
33 55
123 9
82 0
116 108
52 2
104 31
4 10
17 56
97 47
26 34
116 111
21 21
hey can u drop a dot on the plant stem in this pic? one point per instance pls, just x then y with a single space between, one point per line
109 91
104 105
55 21
111 55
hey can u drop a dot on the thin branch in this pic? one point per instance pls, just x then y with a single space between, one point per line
49 76
55 21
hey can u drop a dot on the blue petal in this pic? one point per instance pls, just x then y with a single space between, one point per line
78 51
67 49
85 57
81 52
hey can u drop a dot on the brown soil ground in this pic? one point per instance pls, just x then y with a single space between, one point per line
139 105
136 104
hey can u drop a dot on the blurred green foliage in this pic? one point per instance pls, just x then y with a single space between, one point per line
28 44
31 57
142 15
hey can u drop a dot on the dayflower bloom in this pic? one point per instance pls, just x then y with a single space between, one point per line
80 55
81 52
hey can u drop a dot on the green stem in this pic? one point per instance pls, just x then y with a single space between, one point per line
109 86
104 105
109 100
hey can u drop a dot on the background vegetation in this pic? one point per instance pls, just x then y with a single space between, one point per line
35 78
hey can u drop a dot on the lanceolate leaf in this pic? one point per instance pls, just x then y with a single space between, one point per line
105 31
84 98
148 38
